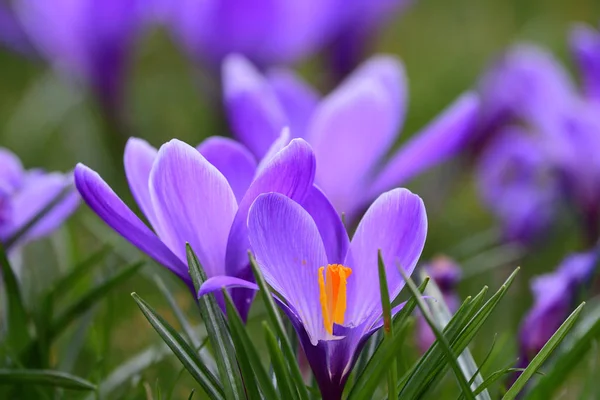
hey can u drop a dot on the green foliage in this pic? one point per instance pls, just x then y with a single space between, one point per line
56 379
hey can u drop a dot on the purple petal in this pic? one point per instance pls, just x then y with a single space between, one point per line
351 130
193 204
254 112
12 34
289 251
216 283
440 140
298 99
276 147
291 172
332 230
138 160
233 160
11 170
396 224
585 45
104 202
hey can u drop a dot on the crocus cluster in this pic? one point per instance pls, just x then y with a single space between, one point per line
26 193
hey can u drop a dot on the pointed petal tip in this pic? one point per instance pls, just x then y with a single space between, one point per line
217 283
240 75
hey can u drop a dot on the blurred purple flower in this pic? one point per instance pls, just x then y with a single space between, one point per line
585 45
197 196
266 31
516 181
325 282
12 34
88 39
351 130
446 274
25 193
555 295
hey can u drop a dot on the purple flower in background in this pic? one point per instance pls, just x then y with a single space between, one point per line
266 31
351 130
88 39
326 283
555 295
516 181
197 196
12 34
446 274
24 194
585 45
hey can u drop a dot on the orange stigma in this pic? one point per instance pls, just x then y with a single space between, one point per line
332 287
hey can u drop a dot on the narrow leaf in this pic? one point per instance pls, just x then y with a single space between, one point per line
44 378
387 325
284 381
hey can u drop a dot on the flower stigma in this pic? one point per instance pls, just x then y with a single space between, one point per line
332 288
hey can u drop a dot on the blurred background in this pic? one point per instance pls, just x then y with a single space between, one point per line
53 122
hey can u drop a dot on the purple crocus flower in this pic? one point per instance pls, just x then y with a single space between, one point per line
516 181
24 194
446 274
328 285
267 31
197 196
88 39
555 295
585 45
12 34
350 130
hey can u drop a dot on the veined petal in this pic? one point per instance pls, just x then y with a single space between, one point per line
291 172
440 140
396 224
276 147
585 45
11 170
193 204
289 251
351 130
332 230
233 160
297 98
104 202
254 112
138 160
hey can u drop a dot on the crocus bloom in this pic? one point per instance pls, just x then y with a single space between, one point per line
12 34
88 39
267 31
25 193
446 274
200 196
585 45
555 295
517 182
350 130
328 286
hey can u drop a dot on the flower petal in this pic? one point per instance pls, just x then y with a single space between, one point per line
396 224
254 112
440 140
289 251
104 202
233 160
138 160
332 230
276 147
11 171
585 45
216 283
351 130
297 98
291 172
193 204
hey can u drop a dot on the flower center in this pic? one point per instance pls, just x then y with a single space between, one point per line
332 285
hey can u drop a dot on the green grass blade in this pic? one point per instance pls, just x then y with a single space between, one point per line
184 352
44 378
277 323
284 381
388 328
218 333
539 359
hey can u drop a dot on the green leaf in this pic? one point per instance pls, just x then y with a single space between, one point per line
247 353
218 334
580 343
277 324
388 328
494 377
443 341
539 359
284 381
182 350
16 319
44 378
91 298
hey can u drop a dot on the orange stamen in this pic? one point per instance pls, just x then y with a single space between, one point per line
332 294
